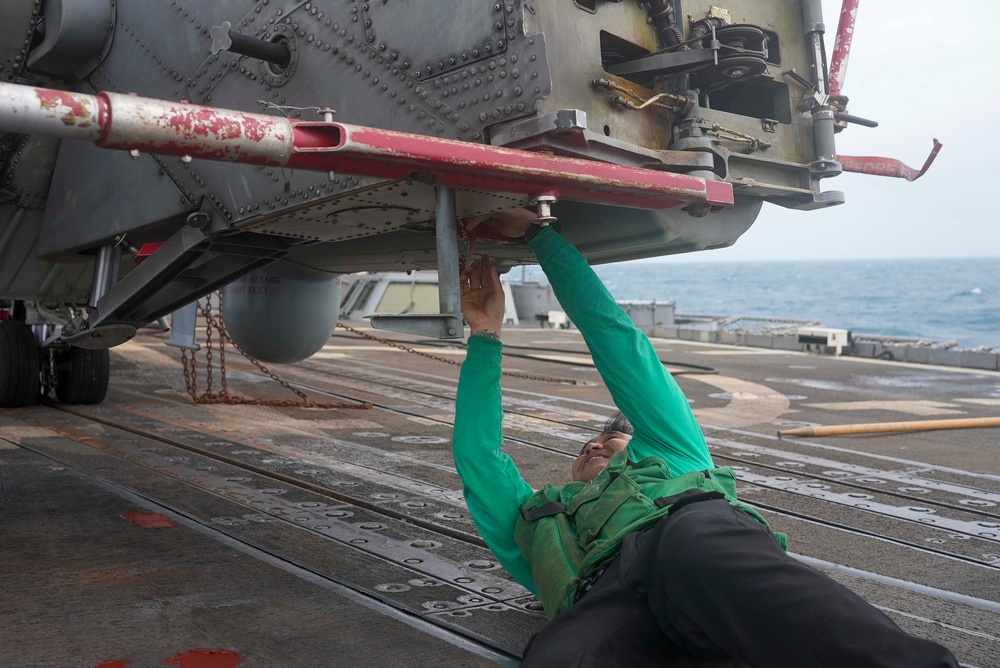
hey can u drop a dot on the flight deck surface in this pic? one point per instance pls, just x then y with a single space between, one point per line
149 529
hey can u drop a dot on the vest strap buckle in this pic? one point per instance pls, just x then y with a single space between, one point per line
586 584
685 498
545 510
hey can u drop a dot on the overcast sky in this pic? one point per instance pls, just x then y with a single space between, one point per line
922 69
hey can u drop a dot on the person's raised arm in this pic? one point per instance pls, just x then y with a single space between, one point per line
493 487
642 389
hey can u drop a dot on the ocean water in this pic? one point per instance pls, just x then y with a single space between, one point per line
938 299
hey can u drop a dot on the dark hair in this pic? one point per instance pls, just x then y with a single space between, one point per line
618 422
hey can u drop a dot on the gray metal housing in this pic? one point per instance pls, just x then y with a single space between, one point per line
513 72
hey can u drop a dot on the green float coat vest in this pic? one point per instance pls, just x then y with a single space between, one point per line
567 533
552 554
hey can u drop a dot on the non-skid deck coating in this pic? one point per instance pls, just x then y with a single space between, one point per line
309 537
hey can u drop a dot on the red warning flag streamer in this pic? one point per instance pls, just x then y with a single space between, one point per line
838 72
842 46
887 166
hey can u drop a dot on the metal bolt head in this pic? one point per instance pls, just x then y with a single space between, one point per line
199 219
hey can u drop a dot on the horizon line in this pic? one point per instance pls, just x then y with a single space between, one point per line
690 257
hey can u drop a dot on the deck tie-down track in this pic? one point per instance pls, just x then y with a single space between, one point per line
461 588
409 497
453 583
971 531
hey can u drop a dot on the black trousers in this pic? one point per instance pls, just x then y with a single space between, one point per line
710 586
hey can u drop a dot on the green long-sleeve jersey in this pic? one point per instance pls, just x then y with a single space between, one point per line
640 386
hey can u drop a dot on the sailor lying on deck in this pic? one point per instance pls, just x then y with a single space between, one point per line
647 555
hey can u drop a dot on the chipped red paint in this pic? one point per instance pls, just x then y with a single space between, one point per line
201 122
194 121
396 155
181 129
103 113
206 658
149 520
53 99
174 128
842 46
114 664
887 166
78 115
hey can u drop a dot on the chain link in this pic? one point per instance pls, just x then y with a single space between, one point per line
51 372
511 374
189 362
468 240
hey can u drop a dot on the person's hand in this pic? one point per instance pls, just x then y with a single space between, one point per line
482 297
510 223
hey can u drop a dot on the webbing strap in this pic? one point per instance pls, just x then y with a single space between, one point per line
687 497
546 510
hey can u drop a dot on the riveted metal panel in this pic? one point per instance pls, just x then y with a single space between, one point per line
466 31
366 87
16 30
160 46
99 194
336 66
30 163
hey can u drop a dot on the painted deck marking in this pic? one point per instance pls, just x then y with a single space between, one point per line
149 520
206 658
752 403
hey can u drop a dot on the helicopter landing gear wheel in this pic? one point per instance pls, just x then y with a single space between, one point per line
82 375
19 362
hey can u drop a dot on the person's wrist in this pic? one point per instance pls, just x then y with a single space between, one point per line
487 333
485 328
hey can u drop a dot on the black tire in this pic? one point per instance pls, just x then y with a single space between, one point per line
82 375
19 360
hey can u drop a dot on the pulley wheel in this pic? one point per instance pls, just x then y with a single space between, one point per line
747 37
732 70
